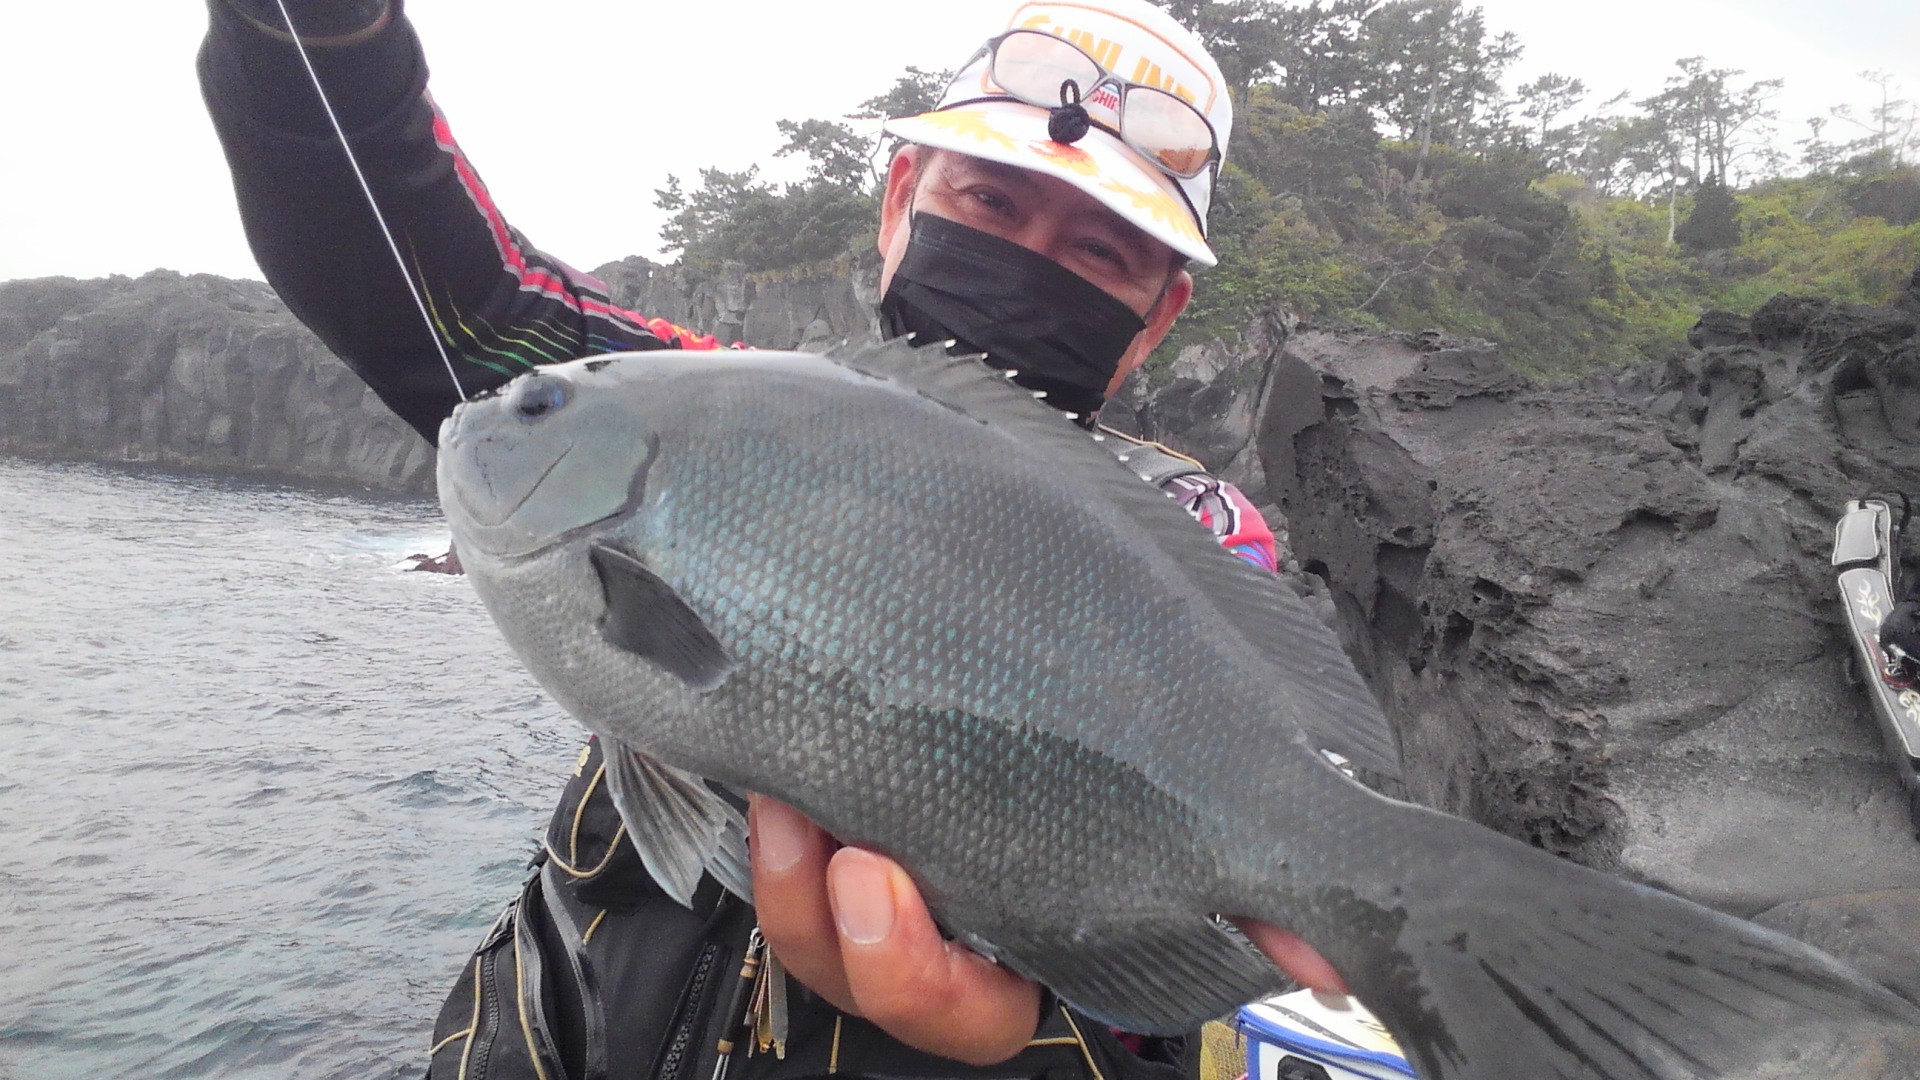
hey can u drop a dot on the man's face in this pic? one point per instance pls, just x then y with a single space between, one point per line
1045 215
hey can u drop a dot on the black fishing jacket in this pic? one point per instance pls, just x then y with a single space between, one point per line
594 973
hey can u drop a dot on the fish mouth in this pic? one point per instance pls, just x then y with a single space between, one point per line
629 506
535 486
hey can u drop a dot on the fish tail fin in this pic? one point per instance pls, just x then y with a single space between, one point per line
1520 964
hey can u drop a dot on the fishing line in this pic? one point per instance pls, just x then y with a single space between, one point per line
379 218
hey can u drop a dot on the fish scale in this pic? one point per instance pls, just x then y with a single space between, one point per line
898 594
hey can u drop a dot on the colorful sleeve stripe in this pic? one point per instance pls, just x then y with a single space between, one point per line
560 283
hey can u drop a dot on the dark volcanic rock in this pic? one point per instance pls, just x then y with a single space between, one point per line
447 563
197 372
1601 613
1720 328
1821 326
1209 400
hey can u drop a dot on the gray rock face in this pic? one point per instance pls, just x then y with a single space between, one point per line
813 308
195 372
1600 613
210 374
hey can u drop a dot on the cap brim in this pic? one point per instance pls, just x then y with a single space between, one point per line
1013 133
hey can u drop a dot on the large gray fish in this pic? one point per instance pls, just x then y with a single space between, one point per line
892 590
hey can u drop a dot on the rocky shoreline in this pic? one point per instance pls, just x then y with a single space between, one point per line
1599 611
200 373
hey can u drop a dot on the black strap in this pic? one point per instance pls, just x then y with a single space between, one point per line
529 990
1152 462
593 1012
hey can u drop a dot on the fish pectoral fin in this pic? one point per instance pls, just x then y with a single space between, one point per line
678 824
646 617
1165 977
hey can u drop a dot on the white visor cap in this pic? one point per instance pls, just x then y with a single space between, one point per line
1137 43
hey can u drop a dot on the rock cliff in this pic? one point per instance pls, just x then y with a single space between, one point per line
805 309
211 374
196 372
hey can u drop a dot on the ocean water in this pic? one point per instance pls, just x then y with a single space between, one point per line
261 790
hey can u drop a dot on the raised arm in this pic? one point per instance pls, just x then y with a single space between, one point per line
499 305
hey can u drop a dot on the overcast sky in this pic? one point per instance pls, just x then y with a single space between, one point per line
575 111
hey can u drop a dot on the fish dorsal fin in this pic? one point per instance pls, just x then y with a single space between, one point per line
1341 714
678 824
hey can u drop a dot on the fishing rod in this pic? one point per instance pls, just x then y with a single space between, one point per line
379 218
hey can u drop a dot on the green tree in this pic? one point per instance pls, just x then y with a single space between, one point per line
736 220
1322 58
839 155
1714 222
836 155
1436 66
1893 195
1246 37
1719 126
1891 123
911 94
1325 158
1543 101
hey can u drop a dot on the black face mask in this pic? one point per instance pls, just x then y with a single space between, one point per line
1059 332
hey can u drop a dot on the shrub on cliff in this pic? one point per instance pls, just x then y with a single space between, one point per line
1714 222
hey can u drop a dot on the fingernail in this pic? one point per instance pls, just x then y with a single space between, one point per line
862 885
779 836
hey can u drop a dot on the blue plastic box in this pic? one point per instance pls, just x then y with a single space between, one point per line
1303 1036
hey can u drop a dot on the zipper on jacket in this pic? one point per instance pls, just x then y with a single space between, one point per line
680 1050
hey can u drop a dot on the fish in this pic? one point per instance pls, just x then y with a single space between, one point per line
889 588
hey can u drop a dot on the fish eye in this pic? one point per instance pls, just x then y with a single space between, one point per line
539 396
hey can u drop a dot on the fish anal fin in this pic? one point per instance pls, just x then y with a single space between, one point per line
679 825
1162 978
646 617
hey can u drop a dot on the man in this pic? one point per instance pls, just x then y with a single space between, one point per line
1043 214
1900 643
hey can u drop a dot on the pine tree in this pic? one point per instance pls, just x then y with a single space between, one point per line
1714 222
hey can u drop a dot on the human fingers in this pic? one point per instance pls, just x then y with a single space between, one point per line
1295 957
790 855
929 993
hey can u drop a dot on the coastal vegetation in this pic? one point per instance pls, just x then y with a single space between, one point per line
1385 174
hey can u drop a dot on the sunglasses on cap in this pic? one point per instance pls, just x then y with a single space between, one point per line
1039 69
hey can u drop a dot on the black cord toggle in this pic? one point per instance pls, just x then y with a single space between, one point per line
1069 123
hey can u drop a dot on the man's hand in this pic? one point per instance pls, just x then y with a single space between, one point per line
851 925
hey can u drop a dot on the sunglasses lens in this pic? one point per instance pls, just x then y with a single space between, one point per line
1167 129
1034 67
